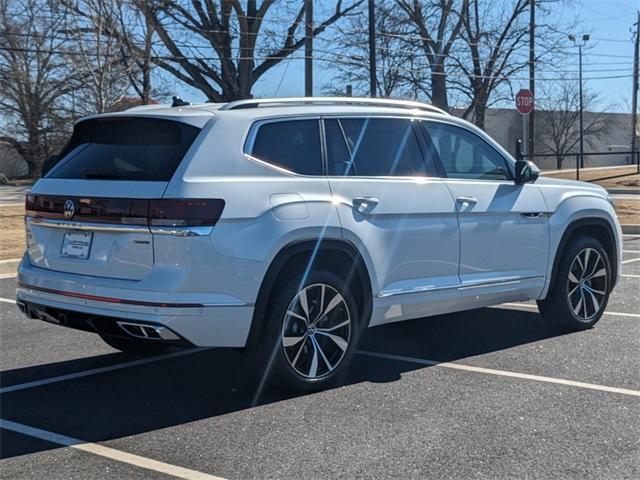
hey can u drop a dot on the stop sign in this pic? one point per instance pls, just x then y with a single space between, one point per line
524 101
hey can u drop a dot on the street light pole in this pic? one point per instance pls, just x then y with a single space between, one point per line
581 108
583 41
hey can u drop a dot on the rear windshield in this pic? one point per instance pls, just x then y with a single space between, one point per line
147 149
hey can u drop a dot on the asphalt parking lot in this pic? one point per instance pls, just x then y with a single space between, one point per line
492 393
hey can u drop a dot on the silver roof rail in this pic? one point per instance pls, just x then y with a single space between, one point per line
378 102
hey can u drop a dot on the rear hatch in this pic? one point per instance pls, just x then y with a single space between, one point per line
91 214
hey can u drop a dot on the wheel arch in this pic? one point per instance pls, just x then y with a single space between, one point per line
338 255
596 227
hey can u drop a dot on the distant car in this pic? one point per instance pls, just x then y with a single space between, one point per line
288 226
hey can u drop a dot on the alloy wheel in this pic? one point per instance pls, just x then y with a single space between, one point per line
587 284
316 331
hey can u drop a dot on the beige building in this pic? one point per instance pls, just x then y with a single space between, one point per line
505 125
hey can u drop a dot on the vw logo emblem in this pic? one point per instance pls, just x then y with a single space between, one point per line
69 209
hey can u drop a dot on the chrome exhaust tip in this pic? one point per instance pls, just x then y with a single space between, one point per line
147 332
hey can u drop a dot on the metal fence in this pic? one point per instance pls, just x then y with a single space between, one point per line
579 162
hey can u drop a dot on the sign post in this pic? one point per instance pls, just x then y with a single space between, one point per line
524 105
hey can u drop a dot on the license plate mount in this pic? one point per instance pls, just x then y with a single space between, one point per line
76 245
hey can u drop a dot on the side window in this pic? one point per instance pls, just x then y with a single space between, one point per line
293 145
338 154
466 155
374 147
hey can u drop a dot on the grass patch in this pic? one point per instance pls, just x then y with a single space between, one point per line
12 237
628 211
615 177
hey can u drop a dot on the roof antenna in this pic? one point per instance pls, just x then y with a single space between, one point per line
178 102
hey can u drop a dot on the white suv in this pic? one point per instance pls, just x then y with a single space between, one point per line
287 226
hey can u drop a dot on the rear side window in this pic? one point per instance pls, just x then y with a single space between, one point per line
147 149
375 147
293 145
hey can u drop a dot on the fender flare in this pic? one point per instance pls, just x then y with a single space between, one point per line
580 223
285 254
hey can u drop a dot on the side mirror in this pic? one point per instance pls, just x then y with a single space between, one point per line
526 172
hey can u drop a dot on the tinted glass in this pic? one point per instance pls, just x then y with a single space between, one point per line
125 149
338 153
466 155
293 145
379 147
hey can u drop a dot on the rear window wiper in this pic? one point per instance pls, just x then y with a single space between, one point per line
103 176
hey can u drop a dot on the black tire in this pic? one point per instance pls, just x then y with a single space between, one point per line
290 369
576 302
134 347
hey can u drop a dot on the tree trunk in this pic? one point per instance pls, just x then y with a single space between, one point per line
439 96
480 110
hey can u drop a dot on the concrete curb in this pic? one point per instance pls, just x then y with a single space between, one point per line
631 229
623 191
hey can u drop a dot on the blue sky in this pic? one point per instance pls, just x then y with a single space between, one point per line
609 54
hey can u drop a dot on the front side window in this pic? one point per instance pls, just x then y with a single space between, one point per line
466 155
292 144
374 147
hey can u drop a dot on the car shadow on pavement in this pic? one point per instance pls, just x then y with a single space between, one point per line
214 382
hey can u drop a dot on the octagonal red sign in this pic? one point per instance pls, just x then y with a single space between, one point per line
524 101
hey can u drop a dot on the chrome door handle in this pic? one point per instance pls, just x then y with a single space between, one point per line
365 204
467 200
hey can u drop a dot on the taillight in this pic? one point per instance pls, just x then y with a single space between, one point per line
185 212
127 211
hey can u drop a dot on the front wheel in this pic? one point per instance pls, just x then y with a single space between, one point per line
580 290
310 332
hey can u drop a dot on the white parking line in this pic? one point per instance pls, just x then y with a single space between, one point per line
628 275
107 452
7 300
535 307
637 259
630 251
8 275
501 373
95 371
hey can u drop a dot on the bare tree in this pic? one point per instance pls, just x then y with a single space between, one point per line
437 24
98 59
352 55
495 49
559 107
222 49
116 44
34 80
493 36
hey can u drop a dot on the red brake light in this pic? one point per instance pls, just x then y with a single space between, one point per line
185 212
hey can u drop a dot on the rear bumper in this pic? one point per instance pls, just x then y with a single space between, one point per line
146 331
207 319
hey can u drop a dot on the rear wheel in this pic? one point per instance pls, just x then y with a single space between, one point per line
580 290
310 332
134 347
